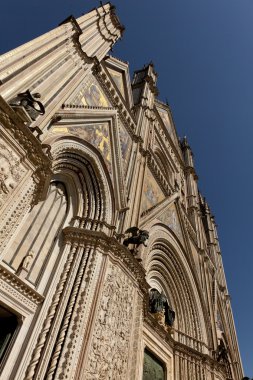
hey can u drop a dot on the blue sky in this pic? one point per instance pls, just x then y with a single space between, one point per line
203 53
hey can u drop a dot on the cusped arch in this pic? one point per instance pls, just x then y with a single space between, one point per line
81 167
168 270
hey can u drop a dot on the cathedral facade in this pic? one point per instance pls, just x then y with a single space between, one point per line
110 266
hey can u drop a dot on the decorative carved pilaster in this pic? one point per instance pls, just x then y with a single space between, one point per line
51 313
67 317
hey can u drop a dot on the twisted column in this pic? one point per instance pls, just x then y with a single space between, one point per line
51 312
66 320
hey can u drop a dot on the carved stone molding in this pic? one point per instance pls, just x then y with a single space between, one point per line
102 24
167 143
13 285
189 227
159 176
125 115
108 245
178 347
32 146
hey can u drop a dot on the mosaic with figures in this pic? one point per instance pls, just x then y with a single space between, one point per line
96 134
170 219
118 80
90 94
152 194
126 144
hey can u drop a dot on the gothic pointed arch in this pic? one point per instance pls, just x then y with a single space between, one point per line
79 195
168 271
92 189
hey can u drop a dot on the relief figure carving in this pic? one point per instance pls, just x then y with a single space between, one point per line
110 343
10 171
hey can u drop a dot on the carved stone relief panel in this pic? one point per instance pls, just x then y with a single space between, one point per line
11 171
109 351
13 215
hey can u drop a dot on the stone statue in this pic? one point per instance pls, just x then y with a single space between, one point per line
222 353
169 314
33 107
138 237
158 303
27 261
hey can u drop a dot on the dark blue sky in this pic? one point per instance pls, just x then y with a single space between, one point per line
203 53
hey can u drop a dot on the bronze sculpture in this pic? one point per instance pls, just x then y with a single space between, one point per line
138 237
29 101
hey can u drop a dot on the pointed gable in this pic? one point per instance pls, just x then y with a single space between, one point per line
119 73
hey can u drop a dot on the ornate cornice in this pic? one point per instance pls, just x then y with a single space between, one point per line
102 24
20 286
115 20
71 19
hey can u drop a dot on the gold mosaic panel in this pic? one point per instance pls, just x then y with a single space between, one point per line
118 79
170 219
96 134
126 144
90 94
152 194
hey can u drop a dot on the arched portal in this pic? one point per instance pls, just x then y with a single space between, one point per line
168 271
